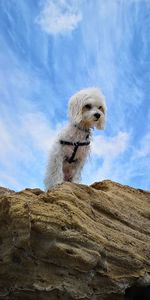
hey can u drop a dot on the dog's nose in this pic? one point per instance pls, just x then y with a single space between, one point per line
97 115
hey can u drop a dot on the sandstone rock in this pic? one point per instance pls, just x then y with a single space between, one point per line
75 242
5 191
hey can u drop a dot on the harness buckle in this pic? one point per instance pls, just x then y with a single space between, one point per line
76 144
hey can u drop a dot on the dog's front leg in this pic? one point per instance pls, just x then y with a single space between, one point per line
77 176
54 172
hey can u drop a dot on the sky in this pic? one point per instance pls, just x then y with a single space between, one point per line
50 49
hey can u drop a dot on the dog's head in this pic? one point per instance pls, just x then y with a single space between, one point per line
88 107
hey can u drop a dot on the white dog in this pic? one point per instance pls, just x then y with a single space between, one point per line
87 109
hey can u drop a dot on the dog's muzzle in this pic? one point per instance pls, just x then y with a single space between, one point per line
97 116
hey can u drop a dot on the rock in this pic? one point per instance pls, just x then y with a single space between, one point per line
75 242
5 191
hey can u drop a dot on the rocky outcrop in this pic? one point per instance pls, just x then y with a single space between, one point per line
75 242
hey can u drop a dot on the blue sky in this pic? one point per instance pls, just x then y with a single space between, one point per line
50 49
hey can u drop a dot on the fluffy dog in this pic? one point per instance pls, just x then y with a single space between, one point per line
87 109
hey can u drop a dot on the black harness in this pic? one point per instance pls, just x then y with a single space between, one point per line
76 145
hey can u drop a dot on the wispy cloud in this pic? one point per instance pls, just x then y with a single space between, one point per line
116 54
144 149
120 160
37 128
102 146
109 150
59 16
24 148
100 43
105 153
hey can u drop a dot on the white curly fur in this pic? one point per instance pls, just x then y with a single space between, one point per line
82 119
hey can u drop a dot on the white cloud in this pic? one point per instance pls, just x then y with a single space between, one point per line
144 148
6 141
30 131
107 38
32 79
24 147
110 150
36 126
59 16
110 147
121 161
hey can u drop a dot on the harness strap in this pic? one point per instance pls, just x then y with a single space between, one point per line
66 143
76 145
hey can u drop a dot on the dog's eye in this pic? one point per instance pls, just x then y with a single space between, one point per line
100 107
88 106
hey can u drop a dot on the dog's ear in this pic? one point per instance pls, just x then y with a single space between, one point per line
101 122
75 109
